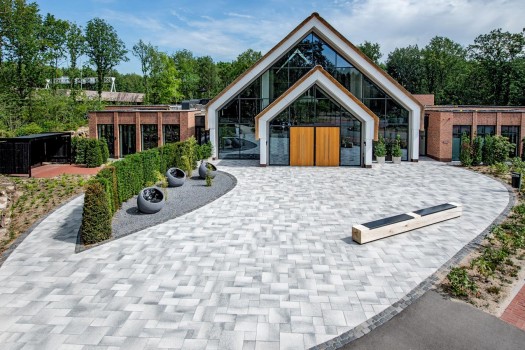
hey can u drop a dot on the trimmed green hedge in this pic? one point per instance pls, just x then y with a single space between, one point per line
96 218
125 178
91 152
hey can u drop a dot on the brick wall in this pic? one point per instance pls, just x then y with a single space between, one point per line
185 120
442 119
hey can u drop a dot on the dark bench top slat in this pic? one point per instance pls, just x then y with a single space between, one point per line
387 221
435 209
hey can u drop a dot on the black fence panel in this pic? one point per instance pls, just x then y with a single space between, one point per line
14 158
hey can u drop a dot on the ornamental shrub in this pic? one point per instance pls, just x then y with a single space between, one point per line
477 150
396 147
204 151
488 150
502 148
465 154
78 149
104 150
96 218
380 149
93 153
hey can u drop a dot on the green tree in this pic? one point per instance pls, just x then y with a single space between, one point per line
209 79
244 61
130 82
104 48
55 40
145 53
405 65
499 55
186 65
76 47
371 50
22 50
443 64
224 73
165 84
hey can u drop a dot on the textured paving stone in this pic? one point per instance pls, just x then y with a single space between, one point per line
268 265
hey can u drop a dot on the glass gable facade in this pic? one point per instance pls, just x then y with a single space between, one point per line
237 117
315 108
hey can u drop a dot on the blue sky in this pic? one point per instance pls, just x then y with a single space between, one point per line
223 29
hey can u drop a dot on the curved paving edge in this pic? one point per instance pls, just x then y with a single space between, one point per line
422 288
80 247
5 255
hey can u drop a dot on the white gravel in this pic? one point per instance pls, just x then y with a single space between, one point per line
180 200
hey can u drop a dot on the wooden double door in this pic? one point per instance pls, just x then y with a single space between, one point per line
314 145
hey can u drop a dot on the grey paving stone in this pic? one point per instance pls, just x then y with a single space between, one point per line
262 266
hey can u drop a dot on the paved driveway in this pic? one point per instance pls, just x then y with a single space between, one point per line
263 267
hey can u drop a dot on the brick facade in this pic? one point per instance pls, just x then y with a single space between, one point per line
140 116
441 120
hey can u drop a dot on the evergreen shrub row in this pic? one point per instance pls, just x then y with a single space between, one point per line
91 152
125 178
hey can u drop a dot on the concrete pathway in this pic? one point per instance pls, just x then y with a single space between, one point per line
437 323
266 266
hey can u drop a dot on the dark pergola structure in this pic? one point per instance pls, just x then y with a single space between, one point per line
19 154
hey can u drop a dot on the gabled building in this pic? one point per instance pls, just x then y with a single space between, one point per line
314 99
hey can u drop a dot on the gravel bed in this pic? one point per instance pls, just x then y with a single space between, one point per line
181 200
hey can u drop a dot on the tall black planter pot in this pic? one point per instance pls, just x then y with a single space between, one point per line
176 177
203 170
150 200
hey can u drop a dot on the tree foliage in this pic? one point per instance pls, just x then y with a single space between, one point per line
405 65
104 48
371 50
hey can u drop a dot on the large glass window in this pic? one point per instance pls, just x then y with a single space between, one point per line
486 130
150 136
170 133
287 70
106 131
127 139
512 132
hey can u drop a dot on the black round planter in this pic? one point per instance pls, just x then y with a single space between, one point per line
150 200
203 170
176 177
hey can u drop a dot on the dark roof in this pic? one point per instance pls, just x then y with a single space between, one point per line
32 137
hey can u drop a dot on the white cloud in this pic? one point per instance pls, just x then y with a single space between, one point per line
233 14
406 22
392 23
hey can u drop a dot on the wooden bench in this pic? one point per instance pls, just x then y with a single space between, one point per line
374 230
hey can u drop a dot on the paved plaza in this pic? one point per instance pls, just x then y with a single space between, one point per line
266 266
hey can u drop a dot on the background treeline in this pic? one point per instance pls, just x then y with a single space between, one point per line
34 47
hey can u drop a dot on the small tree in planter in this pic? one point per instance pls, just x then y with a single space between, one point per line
380 151
396 150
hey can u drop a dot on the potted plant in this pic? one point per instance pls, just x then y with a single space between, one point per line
380 151
206 169
396 150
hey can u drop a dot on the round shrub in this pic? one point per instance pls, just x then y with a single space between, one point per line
96 218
